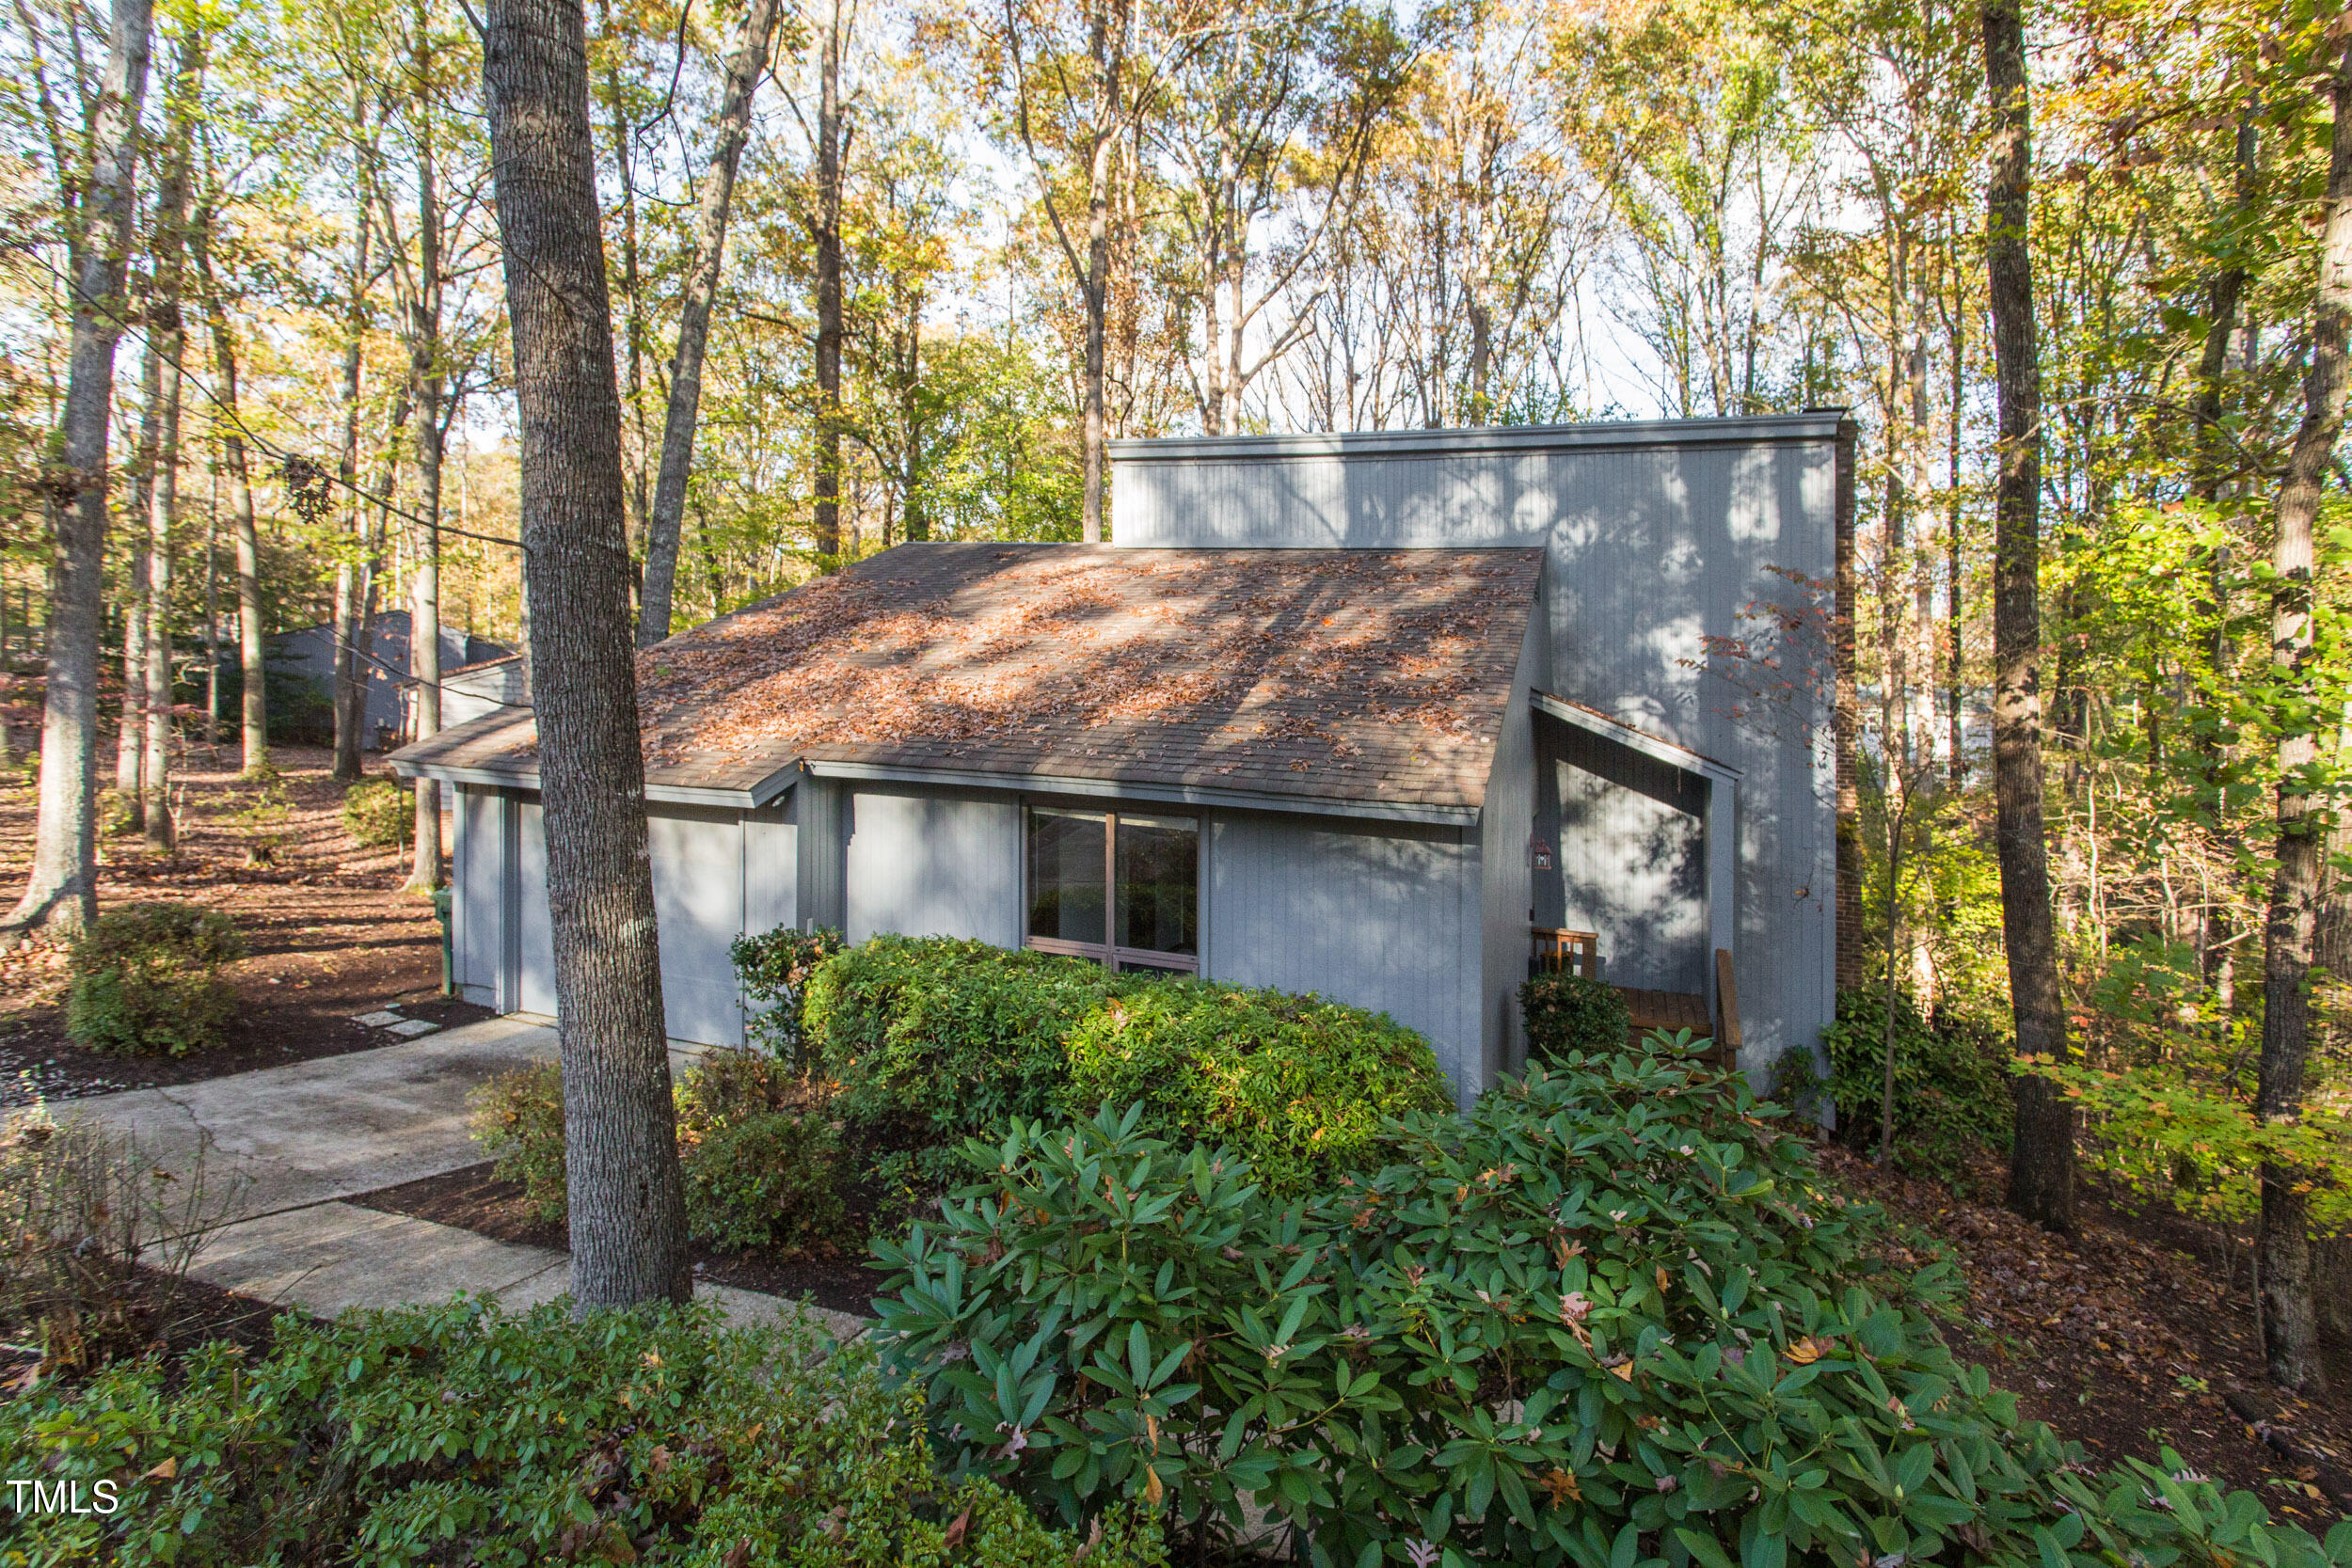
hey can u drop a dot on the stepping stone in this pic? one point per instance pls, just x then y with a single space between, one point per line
411 1028
378 1019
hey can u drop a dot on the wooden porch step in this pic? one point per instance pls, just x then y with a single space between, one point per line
1669 1011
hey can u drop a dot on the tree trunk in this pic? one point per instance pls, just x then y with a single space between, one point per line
1098 323
628 1225
2042 1160
632 290
379 534
229 432
349 677
2212 466
212 606
1954 616
2290 1332
693 332
62 893
131 726
169 331
164 507
427 380
910 400
827 233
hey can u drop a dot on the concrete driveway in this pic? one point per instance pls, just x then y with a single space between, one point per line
288 1137
282 1146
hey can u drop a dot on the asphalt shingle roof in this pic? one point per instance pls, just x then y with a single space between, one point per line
1340 675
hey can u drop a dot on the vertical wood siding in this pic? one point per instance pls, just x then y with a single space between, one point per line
927 863
478 906
1382 916
698 901
1652 545
817 809
1505 884
533 950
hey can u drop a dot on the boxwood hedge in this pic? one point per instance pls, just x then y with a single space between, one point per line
933 1040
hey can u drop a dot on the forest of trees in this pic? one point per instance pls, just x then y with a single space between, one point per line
895 272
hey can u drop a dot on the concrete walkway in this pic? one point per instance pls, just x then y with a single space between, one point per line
280 1148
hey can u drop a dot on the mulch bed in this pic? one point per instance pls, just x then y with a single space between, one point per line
168 1317
2127 1343
475 1200
330 933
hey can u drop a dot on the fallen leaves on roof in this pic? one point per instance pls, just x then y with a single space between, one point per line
1358 672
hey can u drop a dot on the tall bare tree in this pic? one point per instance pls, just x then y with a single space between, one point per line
1079 79
63 892
128 744
422 284
1272 117
694 333
620 1133
229 433
2289 1324
823 221
2041 1159
167 331
350 676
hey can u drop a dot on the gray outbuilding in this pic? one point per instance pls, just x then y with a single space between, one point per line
310 654
1388 718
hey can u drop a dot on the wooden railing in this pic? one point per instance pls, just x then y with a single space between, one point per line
1727 1009
1557 949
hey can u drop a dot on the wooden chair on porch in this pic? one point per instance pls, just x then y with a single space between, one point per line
1557 950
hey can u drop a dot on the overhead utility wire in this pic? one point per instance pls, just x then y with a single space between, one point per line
270 448
261 443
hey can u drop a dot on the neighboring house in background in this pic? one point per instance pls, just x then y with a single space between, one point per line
473 691
1381 717
469 691
310 654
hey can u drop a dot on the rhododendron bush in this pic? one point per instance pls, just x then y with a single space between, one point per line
1612 1316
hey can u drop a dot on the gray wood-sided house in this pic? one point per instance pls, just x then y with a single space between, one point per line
1377 715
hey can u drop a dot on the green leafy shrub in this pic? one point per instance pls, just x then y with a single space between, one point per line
1300 1085
760 1166
1567 1012
1951 1094
463 1435
776 969
934 1040
1609 1317
119 813
379 813
265 815
146 980
517 1118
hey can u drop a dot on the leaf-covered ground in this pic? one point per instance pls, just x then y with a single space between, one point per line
329 931
2127 1343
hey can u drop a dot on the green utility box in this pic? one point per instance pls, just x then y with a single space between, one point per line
441 901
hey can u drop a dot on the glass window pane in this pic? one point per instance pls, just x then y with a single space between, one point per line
1159 877
1066 875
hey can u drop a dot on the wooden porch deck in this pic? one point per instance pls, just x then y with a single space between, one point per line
1669 1011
